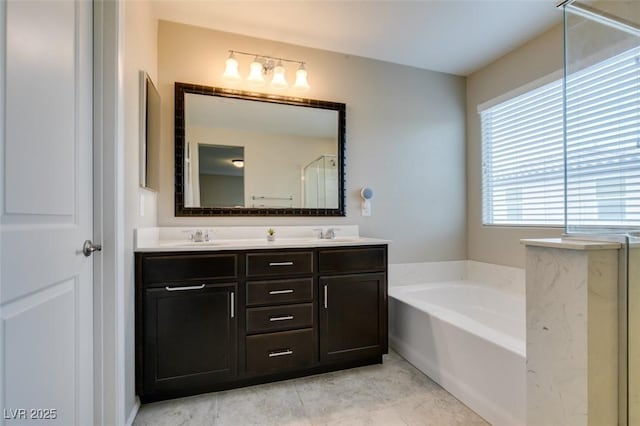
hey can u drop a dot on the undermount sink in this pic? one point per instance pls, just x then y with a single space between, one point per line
336 240
317 240
195 244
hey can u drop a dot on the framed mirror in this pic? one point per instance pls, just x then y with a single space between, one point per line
248 154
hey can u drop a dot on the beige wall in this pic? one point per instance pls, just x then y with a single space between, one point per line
140 39
405 138
532 61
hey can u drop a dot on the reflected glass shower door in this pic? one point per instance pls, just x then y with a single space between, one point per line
320 186
311 182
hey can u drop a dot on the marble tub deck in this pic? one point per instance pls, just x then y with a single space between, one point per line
393 393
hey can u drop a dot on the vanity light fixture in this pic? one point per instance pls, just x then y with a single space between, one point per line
301 83
256 73
262 66
238 163
279 81
231 73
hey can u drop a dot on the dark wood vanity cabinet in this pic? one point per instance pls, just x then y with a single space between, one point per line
208 321
186 322
190 336
280 312
353 315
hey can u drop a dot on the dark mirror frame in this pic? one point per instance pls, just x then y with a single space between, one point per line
180 210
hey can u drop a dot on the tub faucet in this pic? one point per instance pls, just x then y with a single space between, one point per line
198 236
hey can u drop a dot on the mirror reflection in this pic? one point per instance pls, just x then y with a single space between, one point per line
256 154
220 172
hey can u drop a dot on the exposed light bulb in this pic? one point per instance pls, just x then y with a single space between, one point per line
256 73
279 81
301 83
231 73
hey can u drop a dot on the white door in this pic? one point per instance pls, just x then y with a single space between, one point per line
46 295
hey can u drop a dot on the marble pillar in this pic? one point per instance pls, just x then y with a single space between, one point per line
572 332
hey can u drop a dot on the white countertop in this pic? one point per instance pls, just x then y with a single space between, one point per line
248 238
572 244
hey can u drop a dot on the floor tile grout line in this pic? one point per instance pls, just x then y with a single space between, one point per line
304 408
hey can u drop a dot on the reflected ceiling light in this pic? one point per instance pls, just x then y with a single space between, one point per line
264 65
301 83
238 163
231 73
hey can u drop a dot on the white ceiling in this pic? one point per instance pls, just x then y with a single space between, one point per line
452 36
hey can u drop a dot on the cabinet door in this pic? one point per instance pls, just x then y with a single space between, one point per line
353 316
190 337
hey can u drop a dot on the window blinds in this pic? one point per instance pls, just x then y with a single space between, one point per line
522 151
522 159
603 144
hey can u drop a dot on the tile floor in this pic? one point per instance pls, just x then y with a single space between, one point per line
389 394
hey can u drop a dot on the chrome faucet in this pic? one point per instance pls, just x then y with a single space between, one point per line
330 234
320 233
199 236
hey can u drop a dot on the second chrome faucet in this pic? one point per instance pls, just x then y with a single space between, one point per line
329 234
199 236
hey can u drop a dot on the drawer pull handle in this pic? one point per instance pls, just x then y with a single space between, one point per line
284 318
281 291
281 353
191 287
280 263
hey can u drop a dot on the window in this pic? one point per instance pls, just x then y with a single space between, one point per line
608 204
603 144
523 158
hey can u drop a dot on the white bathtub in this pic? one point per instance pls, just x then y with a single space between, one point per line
466 333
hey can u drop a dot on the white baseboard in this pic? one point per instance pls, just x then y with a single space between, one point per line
133 413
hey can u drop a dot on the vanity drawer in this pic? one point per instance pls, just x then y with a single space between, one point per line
171 268
352 260
279 291
285 317
282 263
286 350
